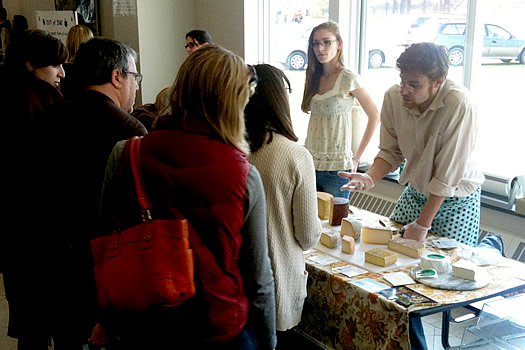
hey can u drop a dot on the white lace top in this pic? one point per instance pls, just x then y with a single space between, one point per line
329 137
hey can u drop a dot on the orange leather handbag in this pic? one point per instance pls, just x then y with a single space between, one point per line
148 265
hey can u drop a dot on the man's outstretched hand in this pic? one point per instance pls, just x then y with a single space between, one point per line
357 181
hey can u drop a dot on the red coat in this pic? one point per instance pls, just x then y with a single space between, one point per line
205 179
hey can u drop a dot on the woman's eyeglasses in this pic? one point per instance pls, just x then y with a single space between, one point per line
322 43
191 45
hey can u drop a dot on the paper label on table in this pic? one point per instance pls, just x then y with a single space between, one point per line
398 278
370 285
445 243
308 251
323 259
350 270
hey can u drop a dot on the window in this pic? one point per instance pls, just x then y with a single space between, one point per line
494 75
497 32
290 25
453 29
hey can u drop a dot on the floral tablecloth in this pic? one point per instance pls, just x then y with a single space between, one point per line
344 316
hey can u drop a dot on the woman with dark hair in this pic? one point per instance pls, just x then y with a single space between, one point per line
196 39
44 300
202 138
288 175
32 73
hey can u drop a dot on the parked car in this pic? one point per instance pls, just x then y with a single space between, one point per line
424 28
498 43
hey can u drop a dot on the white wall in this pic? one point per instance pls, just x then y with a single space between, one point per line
162 25
224 20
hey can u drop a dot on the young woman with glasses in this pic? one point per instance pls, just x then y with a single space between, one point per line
329 95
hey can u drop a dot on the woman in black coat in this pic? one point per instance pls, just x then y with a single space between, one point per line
43 287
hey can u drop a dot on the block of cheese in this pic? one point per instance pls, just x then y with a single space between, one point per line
376 234
351 226
324 201
438 262
467 270
330 239
348 245
338 210
381 257
408 247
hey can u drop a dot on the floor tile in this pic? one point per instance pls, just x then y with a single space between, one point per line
432 318
454 341
432 328
430 342
458 328
429 329
437 343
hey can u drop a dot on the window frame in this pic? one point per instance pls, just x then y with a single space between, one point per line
352 19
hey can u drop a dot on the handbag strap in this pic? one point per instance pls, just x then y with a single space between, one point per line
134 158
145 203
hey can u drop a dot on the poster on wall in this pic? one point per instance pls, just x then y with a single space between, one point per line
57 23
124 8
87 12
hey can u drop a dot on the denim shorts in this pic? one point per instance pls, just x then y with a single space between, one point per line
329 181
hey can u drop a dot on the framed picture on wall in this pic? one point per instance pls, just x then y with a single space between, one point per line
87 12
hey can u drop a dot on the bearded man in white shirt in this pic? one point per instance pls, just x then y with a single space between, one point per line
432 123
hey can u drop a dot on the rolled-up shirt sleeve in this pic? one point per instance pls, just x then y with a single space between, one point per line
452 159
438 144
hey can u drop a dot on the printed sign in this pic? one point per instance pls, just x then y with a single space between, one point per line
57 23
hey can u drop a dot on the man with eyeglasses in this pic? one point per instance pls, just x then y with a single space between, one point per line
196 39
77 139
432 123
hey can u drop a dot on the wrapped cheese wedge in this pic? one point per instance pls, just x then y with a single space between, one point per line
438 262
330 239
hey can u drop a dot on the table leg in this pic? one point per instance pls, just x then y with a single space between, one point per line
445 329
